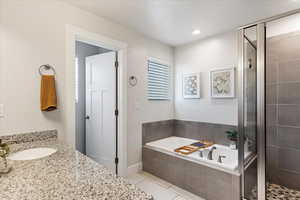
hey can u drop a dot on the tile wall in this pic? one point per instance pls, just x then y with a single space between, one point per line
283 110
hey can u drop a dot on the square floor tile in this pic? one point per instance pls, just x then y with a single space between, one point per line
184 194
157 191
157 180
181 198
135 178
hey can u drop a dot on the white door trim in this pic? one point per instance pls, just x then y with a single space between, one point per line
74 34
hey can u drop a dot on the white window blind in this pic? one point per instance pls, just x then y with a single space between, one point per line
158 81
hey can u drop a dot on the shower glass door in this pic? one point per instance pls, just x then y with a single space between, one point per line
251 113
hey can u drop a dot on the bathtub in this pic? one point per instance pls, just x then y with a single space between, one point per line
229 163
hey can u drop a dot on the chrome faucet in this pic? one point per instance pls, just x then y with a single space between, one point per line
209 155
220 158
201 153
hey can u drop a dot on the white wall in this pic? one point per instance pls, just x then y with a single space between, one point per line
33 33
219 51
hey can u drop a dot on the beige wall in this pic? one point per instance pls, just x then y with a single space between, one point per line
212 53
33 33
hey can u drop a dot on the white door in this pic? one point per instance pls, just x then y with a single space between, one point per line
100 109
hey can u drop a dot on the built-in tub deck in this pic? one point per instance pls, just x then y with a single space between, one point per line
207 178
229 161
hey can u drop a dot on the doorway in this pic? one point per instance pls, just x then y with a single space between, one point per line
96 103
75 34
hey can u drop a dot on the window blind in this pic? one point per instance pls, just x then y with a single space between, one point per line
158 81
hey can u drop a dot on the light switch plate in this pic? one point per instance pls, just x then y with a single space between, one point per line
1 110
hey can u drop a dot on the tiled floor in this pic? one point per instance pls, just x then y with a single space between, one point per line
278 192
160 189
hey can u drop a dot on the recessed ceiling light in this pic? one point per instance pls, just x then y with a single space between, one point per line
196 32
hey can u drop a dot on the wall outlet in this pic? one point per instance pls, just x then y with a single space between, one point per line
1 110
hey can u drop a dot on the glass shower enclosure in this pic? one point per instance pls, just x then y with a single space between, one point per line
251 83
269 108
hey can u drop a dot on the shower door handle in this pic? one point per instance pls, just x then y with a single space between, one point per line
87 117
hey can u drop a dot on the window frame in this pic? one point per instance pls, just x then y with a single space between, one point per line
170 78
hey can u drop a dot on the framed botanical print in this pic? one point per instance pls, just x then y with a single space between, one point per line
191 86
222 83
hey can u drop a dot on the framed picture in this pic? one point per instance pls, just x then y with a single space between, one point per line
191 86
222 83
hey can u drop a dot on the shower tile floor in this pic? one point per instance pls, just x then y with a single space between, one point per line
278 192
160 189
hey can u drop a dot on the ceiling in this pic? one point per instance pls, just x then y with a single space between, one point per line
172 21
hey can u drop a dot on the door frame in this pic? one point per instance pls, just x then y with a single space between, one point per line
74 34
261 120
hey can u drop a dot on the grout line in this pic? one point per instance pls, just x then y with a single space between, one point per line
143 178
140 181
168 186
177 196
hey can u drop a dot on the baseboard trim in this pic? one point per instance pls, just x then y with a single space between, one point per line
135 168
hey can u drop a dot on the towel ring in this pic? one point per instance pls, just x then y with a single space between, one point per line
46 67
133 81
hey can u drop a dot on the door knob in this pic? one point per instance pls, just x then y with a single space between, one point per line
87 117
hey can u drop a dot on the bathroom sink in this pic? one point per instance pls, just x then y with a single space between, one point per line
31 154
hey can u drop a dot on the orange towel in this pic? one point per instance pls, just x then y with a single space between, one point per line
48 93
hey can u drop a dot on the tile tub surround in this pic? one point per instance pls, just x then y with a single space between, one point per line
202 130
188 129
66 174
282 111
152 131
208 183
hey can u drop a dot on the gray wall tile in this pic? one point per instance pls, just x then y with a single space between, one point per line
283 116
202 130
271 94
271 135
289 159
271 115
288 179
217 182
157 130
194 179
194 130
289 48
206 182
289 115
289 93
271 163
289 71
288 137
272 71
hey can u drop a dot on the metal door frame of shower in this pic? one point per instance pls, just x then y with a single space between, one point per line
240 95
261 146
261 108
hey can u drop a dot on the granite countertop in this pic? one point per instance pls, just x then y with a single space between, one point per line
65 175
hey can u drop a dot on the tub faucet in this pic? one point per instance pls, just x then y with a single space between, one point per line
201 153
220 158
209 155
